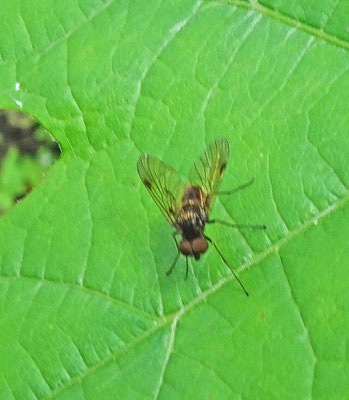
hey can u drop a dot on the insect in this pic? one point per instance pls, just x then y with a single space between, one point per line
188 207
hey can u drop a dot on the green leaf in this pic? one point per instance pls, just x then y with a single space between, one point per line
86 308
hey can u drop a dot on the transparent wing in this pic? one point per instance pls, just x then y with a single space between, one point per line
208 171
163 183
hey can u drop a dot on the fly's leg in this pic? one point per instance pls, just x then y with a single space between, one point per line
177 255
174 238
226 263
219 221
186 269
173 264
237 189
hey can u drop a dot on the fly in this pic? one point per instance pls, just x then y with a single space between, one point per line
187 207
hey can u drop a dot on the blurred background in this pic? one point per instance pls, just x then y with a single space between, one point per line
27 150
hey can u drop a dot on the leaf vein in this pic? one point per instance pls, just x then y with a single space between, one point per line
207 367
174 318
90 291
300 317
289 20
167 356
156 57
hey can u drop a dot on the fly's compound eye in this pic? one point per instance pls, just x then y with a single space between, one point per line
199 245
185 248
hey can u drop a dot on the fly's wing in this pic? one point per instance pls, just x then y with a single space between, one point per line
163 183
208 171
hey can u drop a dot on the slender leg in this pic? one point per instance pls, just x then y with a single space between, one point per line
173 264
186 269
177 255
238 188
226 263
174 237
219 221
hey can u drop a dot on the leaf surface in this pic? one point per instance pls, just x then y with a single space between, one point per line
86 309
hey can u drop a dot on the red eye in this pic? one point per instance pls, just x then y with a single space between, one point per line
185 248
199 245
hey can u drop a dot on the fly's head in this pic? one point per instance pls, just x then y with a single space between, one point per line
193 248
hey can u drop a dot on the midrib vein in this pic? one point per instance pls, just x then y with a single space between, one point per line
169 319
311 30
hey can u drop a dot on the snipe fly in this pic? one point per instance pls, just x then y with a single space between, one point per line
187 207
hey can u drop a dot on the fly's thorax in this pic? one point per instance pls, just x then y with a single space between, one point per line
192 217
191 222
193 193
